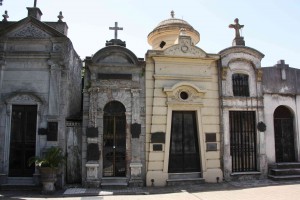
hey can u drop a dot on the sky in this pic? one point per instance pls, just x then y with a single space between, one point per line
270 26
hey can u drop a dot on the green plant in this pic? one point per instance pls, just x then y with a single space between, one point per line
52 158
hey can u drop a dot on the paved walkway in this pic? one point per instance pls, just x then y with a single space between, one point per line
246 190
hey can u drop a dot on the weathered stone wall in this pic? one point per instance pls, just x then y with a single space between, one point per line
242 60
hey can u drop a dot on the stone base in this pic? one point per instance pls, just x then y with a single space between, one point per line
92 184
136 183
3 179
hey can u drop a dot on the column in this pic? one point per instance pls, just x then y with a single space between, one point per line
135 164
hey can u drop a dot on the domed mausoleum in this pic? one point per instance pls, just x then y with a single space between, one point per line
165 34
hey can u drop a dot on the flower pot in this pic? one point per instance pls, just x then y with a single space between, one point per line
48 178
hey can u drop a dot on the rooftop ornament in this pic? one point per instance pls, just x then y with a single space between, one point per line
60 17
5 16
238 40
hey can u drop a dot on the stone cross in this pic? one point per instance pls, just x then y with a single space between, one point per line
34 3
116 28
237 28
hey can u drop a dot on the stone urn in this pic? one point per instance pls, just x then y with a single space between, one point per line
48 178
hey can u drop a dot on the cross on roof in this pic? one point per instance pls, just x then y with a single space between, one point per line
281 64
116 28
237 28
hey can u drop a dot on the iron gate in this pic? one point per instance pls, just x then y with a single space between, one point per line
243 141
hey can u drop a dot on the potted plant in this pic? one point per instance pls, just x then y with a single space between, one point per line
48 165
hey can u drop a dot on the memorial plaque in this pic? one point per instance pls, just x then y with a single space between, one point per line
135 130
52 131
92 132
158 137
115 76
211 147
211 137
93 152
42 131
157 147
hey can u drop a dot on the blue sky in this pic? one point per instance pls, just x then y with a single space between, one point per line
271 26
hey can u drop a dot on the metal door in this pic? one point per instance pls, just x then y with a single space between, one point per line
22 140
284 135
114 140
184 148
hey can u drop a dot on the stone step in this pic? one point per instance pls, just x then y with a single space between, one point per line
20 181
284 178
185 181
184 175
287 165
284 172
114 182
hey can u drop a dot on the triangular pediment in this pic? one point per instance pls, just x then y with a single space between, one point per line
30 27
185 48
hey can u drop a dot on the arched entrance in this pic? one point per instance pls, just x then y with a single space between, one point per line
284 135
114 140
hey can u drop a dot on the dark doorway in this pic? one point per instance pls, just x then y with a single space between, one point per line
184 148
243 140
284 135
22 140
114 140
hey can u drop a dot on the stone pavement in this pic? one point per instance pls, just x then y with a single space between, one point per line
246 190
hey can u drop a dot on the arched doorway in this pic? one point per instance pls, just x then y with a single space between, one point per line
114 140
284 135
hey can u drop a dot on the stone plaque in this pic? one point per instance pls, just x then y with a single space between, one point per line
42 131
158 137
52 131
211 137
93 152
157 147
211 146
92 132
115 76
135 130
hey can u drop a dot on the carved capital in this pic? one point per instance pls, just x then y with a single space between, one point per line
259 74
224 72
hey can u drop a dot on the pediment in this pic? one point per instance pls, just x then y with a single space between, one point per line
114 58
185 48
30 28
29 31
115 55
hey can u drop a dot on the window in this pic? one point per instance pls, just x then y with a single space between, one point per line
240 85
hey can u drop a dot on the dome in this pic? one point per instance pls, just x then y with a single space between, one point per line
167 32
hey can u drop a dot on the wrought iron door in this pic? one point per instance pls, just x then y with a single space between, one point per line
114 141
284 135
22 140
243 141
184 148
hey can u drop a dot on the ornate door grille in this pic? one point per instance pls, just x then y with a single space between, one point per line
243 141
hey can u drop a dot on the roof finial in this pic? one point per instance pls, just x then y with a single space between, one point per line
34 4
5 16
60 17
172 14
